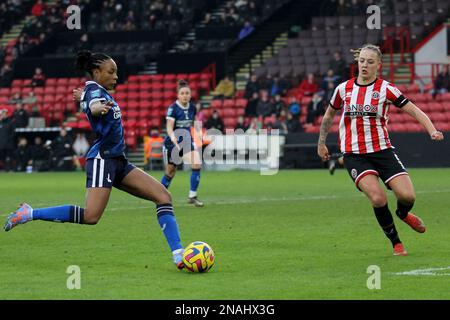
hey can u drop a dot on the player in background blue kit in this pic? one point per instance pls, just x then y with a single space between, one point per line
106 165
180 143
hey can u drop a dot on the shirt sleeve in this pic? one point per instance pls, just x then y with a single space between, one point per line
170 113
336 99
394 95
92 95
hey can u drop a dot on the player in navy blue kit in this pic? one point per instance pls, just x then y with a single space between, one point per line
179 143
106 165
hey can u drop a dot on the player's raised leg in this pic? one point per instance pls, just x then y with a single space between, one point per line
96 201
142 185
372 189
193 158
404 192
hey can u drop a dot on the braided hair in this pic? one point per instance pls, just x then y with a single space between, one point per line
88 61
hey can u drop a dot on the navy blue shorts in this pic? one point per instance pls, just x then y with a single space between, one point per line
107 173
168 150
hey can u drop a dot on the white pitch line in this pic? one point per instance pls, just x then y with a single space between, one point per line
230 201
424 272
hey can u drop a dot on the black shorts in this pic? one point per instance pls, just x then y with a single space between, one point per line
106 173
384 164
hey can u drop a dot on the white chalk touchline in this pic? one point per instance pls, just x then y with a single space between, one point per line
230 201
424 272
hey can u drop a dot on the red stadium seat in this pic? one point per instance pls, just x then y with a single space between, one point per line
228 103
193 77
229 112
170 77
240 103
216 103
50 82
17 83
133 87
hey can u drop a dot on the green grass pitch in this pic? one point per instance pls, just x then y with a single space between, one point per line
294 235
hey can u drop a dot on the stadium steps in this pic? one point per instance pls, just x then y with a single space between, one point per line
257 60
13 33
136 157
402 73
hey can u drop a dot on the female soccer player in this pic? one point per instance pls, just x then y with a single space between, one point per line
106 164
179 143
364 141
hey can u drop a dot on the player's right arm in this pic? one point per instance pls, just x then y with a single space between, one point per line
327 122
93 100
335 104
170 125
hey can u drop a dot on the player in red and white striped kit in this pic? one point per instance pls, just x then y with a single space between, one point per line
364 141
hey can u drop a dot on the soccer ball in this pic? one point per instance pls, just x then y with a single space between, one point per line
198 257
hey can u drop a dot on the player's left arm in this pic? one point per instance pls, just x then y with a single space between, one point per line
415 112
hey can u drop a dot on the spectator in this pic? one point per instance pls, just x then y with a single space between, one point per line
264 107
251 87
84 43
207 19
265 83
15 99
20 116
250 108
356 8
80 145
294 107
40 156
308 86
328 94
330 76
225 88
38 8
153 148
2 53
6 76
22 155
254 127
246 30
241 124
215 122
22 45
339 66
441 84
342 8
62 153
278 105
280 122
6 140
30 100
283 85
292 123
38 79
315 108
201 113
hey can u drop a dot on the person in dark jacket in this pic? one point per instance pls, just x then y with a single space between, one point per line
6 140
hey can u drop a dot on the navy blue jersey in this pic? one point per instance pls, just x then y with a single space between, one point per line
184 119
108 128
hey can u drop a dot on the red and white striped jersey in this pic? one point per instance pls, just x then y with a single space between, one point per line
362 128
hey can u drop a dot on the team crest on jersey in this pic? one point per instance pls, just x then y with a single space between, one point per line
354 173
375 95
